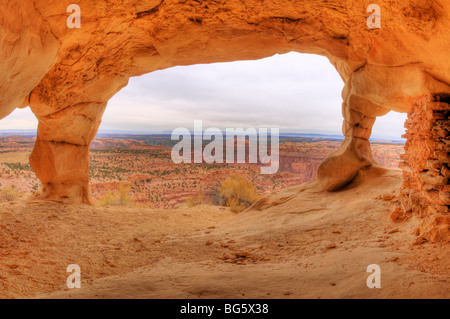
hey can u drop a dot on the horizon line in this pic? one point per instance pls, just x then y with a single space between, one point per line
339 136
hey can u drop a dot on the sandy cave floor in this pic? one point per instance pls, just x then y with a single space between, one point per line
310 245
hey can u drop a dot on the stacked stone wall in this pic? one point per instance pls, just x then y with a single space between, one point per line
426 191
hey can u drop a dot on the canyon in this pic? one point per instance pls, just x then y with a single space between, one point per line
66 76
80 69
75 79
156 181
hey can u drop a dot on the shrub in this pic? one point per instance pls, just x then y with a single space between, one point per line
108 199
124 195
238 193
195 200
120 198
9 193
214 194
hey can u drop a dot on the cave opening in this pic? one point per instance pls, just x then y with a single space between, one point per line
298 93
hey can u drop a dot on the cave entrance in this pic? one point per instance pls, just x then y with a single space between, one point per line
298 93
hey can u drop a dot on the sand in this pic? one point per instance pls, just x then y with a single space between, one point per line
307 245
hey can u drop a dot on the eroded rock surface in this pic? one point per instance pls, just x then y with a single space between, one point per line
426 189
68 75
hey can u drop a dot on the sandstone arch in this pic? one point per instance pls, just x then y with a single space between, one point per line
67 75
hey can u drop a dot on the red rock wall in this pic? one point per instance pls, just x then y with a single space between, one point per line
67 75
425 166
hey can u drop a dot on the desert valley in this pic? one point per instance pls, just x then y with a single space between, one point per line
92 207
162 242
143 164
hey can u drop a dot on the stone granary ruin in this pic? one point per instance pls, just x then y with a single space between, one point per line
67 75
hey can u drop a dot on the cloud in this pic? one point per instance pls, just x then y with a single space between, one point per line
294 92
19 119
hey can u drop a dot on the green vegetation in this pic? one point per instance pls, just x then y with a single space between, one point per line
19 166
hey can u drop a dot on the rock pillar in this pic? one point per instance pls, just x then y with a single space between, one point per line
426 173
60 157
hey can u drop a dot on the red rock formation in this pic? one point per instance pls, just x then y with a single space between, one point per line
67 75
426 189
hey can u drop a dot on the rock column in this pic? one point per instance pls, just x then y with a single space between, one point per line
426 173
343 165
60 157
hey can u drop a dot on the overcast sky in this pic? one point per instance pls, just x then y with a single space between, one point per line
293 92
